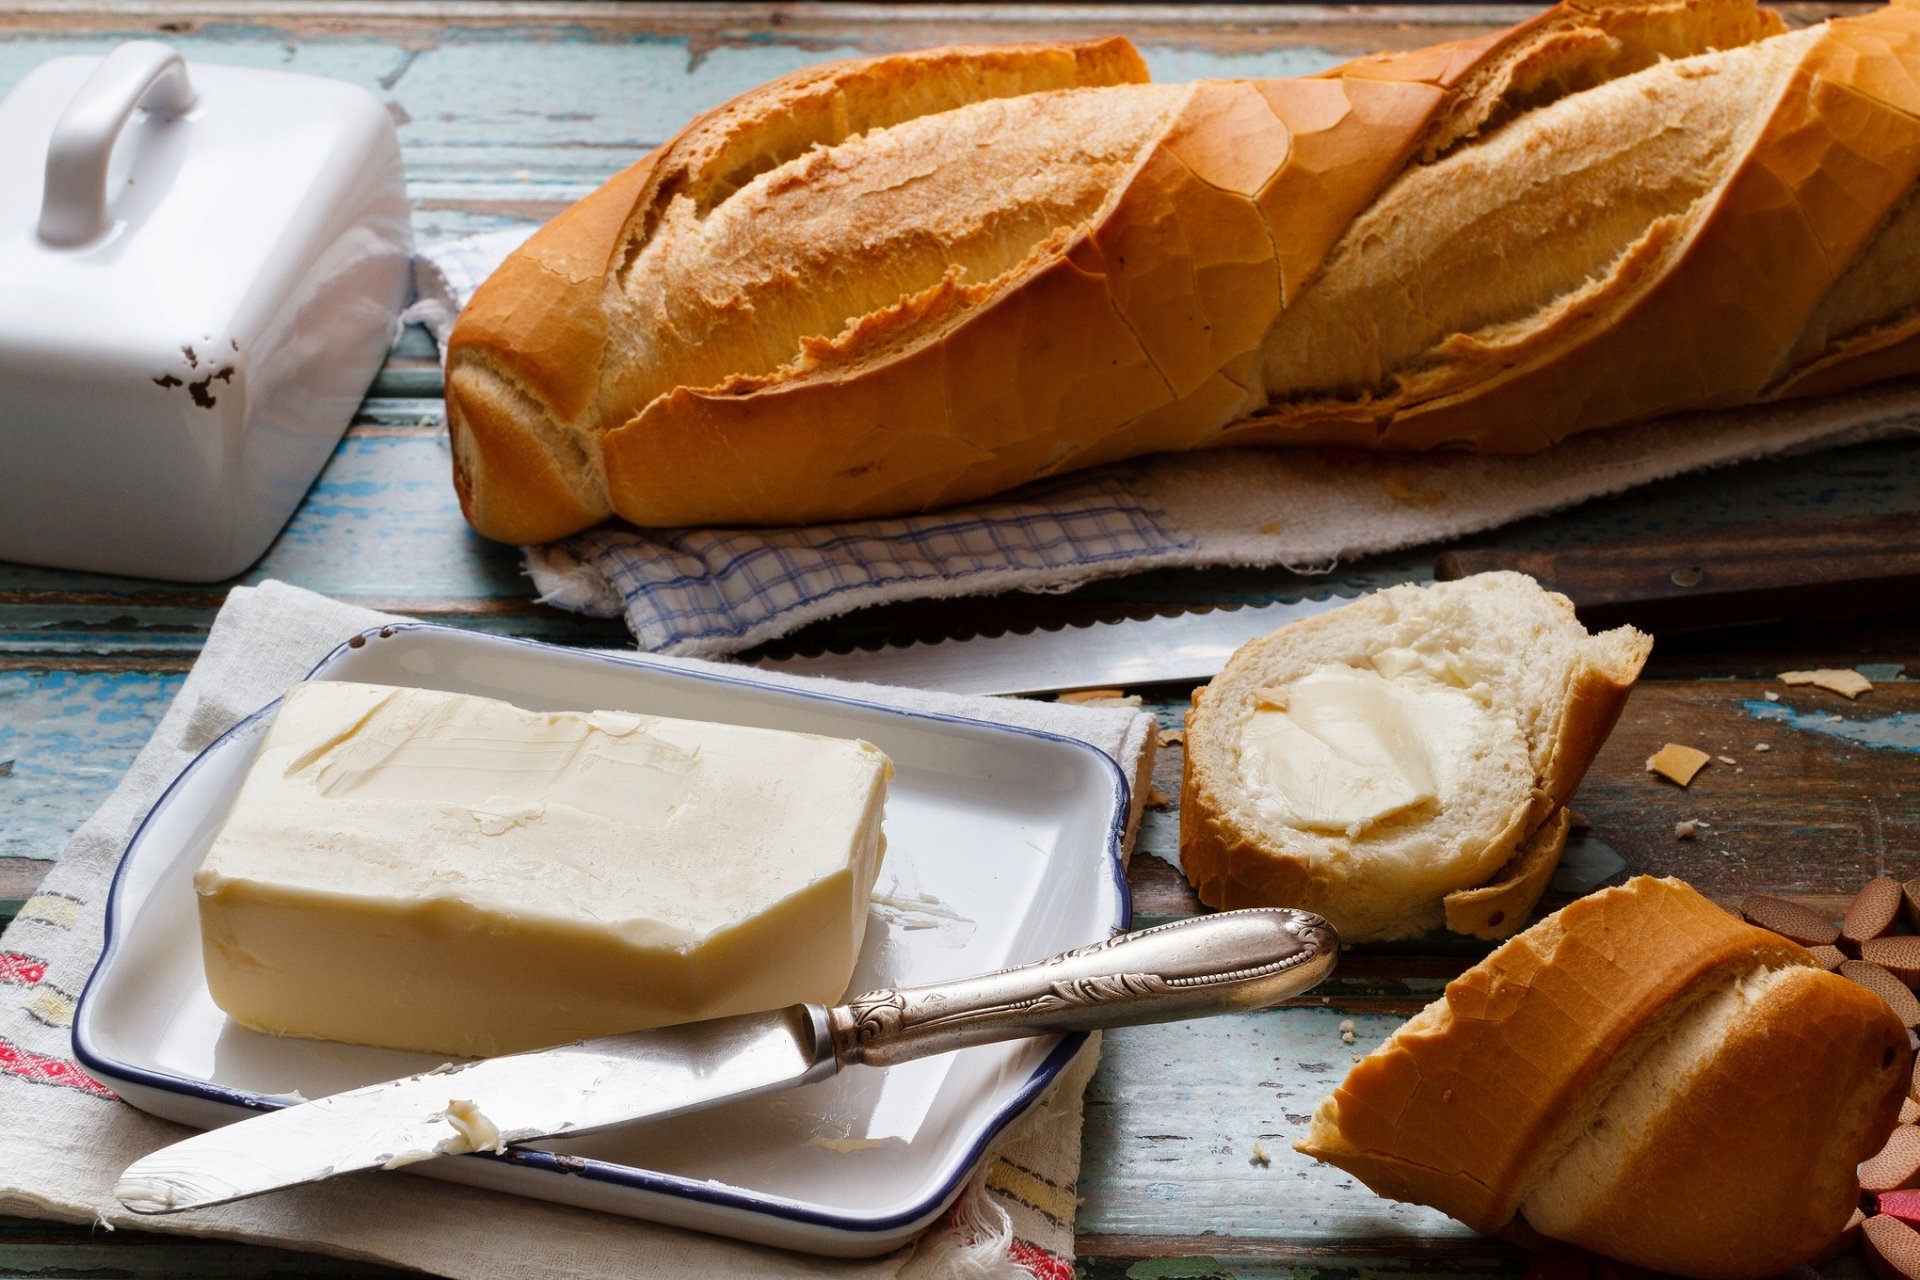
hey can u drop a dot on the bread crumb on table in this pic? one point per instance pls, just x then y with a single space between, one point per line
1763 746
1846 682
1172 737
1260 1157
1676 763
1688 828
1101 698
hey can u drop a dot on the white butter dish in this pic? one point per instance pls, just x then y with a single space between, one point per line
200 270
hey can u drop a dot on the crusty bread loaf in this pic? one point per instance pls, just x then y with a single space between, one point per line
895 283
1509 698
1640 1074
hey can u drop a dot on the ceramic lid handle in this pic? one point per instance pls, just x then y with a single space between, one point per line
74 207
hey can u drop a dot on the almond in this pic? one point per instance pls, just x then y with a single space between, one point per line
1826 957
1790 920
1895 1165
1893 1247
1904 1205
1887 987
1872 910
1898 956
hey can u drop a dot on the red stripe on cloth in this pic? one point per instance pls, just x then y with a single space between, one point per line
21 970
1041 1264
39 1069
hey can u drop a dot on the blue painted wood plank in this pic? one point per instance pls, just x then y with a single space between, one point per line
1193 1123
65 740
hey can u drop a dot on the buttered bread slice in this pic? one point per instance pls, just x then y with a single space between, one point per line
1403 761
433 871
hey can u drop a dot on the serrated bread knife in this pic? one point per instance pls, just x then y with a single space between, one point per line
1734 575
1234 962
1133 651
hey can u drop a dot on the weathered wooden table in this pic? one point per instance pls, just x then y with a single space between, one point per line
507 112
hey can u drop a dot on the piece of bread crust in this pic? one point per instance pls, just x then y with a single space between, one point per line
1234 858
1736 1160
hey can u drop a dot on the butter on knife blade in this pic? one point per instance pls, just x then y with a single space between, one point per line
1233 962
1134 651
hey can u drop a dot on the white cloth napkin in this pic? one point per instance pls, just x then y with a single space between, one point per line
64 1137
718 591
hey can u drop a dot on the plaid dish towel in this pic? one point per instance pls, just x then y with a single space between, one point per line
718 591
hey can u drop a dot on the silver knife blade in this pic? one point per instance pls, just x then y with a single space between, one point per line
1133 651
1229 962
559 1092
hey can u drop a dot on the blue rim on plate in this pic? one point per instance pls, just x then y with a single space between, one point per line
627 1176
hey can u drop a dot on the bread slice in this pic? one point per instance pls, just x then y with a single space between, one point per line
1485 700
1640 1074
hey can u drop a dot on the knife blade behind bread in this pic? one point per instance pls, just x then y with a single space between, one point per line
1132 651
1236 961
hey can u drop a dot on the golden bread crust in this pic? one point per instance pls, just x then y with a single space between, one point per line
1160 319
1462 1108
1751 1169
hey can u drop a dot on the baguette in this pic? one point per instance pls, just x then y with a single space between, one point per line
1481 703
1641 1075
896 283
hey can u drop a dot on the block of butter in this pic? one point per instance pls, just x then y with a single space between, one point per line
434 871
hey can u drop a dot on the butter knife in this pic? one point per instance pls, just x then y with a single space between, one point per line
1236 961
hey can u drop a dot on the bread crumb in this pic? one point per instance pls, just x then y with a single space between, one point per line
1771 696
1726 760
1101 697
1346 1024
1259 1157
1156 798
1688 828
1763 746
1676 763
1268 696
1846 682
1172 737
1577 821
1401 487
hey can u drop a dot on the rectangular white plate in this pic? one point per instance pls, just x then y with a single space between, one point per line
1003 846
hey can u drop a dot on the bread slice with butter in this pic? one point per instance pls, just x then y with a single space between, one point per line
1402 761
1640 1074
433 871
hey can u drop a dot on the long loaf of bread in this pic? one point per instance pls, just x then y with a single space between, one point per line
891 284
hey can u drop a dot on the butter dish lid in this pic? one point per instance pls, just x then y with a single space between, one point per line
141 197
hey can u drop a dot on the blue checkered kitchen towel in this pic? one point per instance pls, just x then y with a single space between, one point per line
710 592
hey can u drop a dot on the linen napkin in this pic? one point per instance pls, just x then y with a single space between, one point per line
718 591
64 1137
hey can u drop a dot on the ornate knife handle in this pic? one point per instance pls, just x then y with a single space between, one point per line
1233 962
